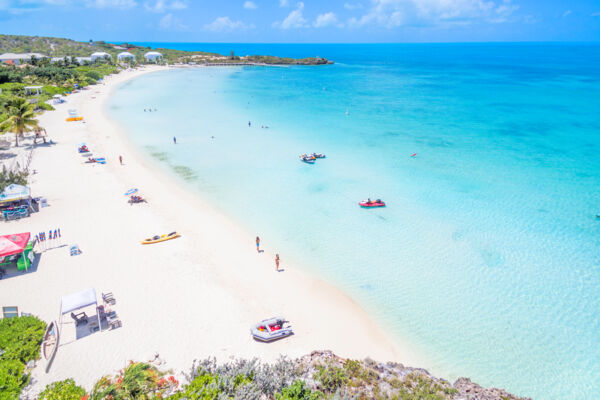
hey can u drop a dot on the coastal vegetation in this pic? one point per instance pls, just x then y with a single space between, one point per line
317 376
18 117
58 47
20 340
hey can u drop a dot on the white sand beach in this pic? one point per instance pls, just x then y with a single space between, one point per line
186 299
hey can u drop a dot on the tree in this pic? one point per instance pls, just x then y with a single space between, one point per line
21 118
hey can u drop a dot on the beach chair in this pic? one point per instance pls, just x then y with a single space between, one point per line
109 298
74 250
80 318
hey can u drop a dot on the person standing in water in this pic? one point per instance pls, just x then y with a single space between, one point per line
257 244
277 262
174 140
249 124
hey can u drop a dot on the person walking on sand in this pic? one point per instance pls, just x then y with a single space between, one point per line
174 140
257 244
277 262
121 159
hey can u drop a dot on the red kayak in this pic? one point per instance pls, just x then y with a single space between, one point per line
371 203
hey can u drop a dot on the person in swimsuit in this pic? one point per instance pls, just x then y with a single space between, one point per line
257 244
277 262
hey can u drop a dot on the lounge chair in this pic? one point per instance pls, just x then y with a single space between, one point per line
80 318
108 298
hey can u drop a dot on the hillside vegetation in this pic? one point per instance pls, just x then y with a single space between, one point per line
57 47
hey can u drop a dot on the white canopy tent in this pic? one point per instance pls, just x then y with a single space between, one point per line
153 56
76 301
125 55
14 192
99 55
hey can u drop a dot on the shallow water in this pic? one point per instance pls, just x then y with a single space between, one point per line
486 259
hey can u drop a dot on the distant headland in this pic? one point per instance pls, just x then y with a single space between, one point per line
15 48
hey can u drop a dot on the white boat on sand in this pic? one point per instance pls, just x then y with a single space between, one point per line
271 329
50 344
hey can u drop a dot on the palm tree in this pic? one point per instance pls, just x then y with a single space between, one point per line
21 118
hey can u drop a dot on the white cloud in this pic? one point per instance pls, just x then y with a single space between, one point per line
395 13
327 19
350 6
568 12
250 5
161 6
122 4
171 22
224 24
284 3
295 19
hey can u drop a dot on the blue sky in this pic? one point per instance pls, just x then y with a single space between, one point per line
304 21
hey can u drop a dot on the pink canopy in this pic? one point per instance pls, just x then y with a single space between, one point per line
13 244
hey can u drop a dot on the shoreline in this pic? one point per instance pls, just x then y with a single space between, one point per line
217 275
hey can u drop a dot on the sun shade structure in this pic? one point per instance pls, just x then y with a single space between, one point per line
152 56
75 301
14 192
125 56
79 300
16 244
99 55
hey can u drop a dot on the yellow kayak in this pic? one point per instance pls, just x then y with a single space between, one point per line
74 119
161 238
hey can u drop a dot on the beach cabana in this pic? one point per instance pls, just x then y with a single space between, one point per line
77 301
16 246
125 56
99 55
153 56
33 89
14 192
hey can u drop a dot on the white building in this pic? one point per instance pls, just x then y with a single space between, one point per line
153 56
82 60
54 60
99 55
16 59
124 56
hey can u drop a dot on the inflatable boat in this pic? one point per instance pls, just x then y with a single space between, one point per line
371 203
271 329
307 159
161 238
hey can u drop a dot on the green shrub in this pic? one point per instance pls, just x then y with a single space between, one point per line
203 387
331 378
420 387
21 337
12 379
46 106
298 391
62 390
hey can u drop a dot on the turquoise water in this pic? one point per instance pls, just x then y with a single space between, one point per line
486 259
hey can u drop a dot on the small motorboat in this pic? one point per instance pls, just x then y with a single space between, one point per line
318 155
371 203
50 344
307 159
271 329
160 238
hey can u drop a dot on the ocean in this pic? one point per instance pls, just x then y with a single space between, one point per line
486 259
